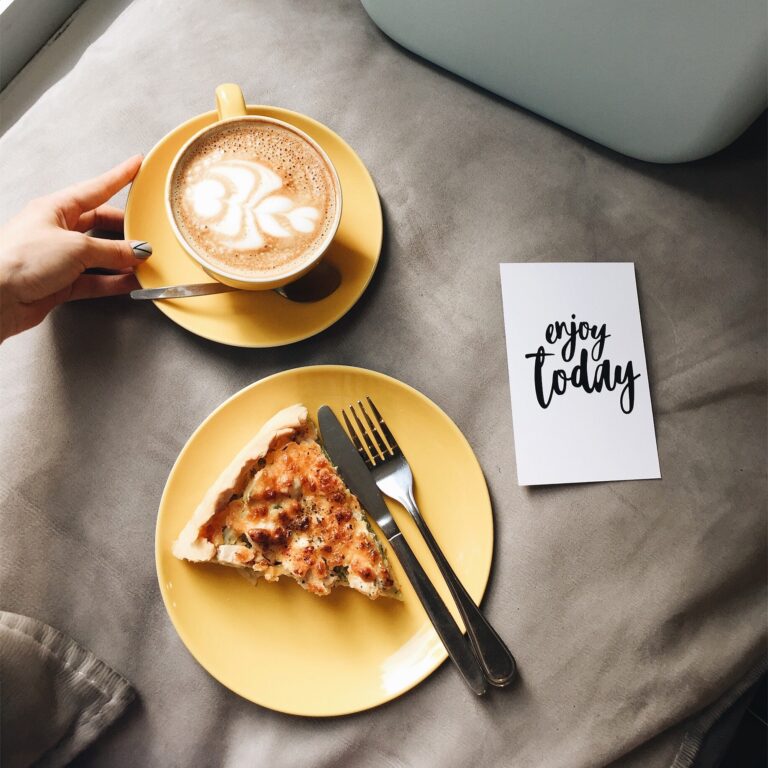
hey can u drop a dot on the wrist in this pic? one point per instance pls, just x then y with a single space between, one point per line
8 302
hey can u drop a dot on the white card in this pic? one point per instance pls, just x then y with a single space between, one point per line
581 403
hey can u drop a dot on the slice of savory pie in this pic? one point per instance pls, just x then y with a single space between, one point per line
281 508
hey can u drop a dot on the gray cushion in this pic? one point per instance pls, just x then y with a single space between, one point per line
665 82
56 697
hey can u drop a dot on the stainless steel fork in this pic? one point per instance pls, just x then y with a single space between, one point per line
393 476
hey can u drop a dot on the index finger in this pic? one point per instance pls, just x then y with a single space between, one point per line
90 194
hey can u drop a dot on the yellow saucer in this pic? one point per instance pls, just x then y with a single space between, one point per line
280 646
256 318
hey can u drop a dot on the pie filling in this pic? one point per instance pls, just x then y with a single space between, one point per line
295 516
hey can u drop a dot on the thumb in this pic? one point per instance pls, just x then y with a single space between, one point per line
113 254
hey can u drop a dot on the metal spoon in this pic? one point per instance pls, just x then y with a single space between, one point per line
320 282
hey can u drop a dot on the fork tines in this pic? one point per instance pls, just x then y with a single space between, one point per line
379 449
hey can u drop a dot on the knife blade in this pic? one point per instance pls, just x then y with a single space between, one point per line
359 480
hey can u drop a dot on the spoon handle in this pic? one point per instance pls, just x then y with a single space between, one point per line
181 291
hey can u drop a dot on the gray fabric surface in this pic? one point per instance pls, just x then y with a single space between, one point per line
56 697
630 606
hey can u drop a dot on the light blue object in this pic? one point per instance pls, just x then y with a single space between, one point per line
659 80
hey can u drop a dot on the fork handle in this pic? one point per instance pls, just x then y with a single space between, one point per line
496 659
447 629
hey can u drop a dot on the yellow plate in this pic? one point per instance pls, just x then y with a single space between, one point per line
256 318
280 646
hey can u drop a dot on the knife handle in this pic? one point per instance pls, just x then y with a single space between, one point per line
496 659
446 628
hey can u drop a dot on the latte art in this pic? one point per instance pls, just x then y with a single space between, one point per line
253 198
234 199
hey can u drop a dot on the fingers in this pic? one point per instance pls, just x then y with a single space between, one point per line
98 286
92 193
105 217
112 254
85 287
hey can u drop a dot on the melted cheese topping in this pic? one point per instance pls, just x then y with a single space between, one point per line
296 517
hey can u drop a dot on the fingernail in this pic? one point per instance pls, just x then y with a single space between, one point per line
141 249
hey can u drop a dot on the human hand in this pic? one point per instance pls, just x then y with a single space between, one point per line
44 250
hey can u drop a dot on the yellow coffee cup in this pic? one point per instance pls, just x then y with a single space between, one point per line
234 215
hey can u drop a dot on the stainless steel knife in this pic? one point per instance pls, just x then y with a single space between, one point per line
356 475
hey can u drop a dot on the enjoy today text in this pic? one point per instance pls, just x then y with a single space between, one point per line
605 375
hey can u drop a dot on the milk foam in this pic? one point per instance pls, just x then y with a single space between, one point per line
253 197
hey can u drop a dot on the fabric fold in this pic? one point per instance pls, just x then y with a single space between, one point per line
56 697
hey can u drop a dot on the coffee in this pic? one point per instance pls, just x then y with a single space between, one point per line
253 198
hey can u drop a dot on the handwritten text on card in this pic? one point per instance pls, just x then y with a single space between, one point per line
549 381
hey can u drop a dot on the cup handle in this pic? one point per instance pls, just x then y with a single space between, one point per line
230 101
